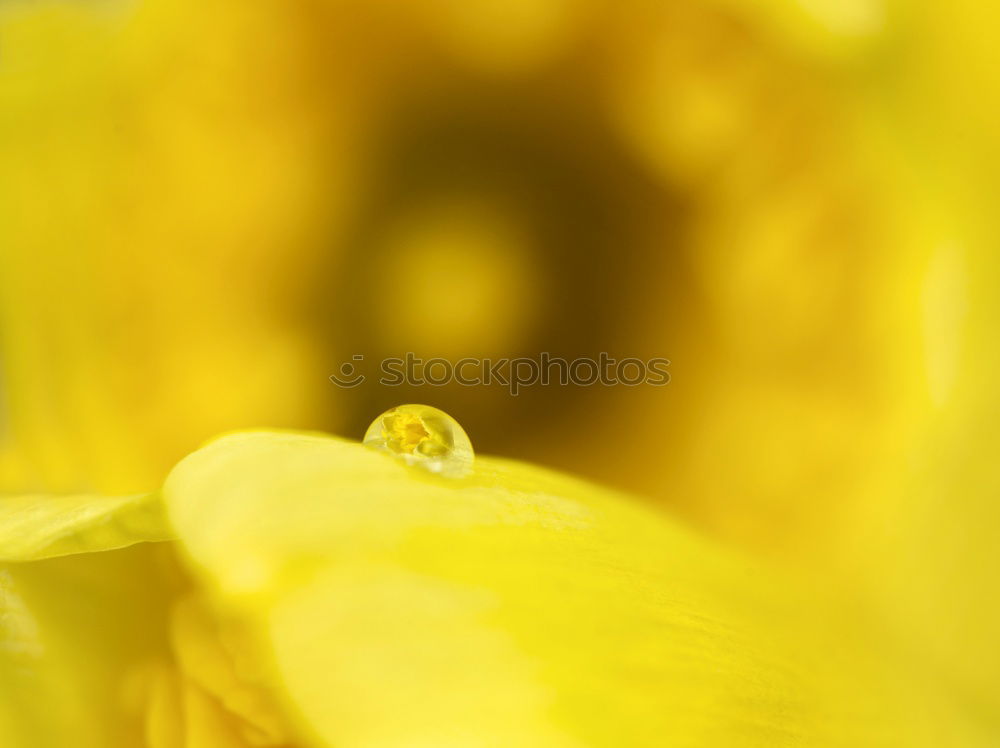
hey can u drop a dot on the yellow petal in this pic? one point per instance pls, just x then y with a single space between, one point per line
36 527
216 663
71 631
71 628
511 607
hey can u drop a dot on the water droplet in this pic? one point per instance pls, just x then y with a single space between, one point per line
424 437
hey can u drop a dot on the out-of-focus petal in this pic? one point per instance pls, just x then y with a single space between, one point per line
72 631
218 664
35 527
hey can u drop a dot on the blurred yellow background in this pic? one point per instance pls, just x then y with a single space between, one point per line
205 208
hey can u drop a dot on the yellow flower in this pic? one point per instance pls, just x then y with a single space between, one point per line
199 204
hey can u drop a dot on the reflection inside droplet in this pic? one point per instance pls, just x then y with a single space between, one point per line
424 437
